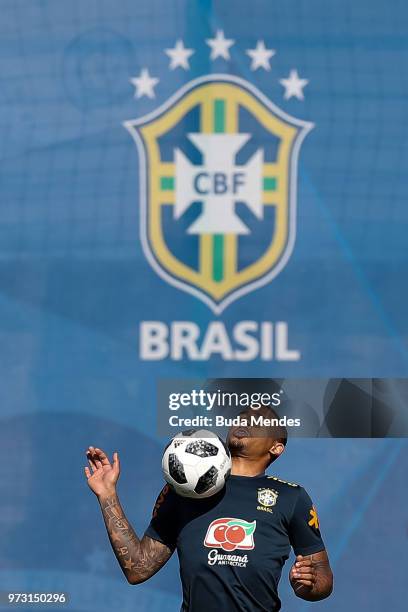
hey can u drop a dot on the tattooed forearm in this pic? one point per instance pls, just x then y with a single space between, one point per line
139 559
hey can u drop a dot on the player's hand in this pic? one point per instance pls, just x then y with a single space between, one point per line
102 475
303 574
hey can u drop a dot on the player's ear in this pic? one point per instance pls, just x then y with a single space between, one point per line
276 450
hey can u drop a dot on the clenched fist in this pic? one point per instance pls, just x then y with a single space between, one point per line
303 574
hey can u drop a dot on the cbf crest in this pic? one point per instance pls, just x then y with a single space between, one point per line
267 498
218 181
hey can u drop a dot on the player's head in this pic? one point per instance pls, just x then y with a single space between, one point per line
253 441
258 436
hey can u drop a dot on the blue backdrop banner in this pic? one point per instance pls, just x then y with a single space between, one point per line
196 189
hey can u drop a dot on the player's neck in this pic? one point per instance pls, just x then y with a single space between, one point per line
243 466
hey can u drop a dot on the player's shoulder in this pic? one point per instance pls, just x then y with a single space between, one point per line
283 483
166 498
287 488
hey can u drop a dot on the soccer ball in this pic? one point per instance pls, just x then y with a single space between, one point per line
196 463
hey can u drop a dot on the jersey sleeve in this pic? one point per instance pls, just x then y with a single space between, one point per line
163 524
304 529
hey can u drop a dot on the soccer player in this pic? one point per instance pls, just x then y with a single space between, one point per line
231 546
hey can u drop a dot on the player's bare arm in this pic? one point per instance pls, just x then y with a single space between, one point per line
311 577
139 559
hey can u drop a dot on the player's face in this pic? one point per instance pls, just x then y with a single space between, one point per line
252 441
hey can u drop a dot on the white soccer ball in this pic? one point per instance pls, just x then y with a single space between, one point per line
196 463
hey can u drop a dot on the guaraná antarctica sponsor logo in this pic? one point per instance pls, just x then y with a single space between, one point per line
229 535
218 167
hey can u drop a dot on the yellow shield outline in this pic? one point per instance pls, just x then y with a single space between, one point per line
207 90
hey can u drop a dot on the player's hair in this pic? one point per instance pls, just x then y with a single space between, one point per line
280 431
253 386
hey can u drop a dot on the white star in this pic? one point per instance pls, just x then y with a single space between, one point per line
260 56
220 45
294 86
144 84
179 56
